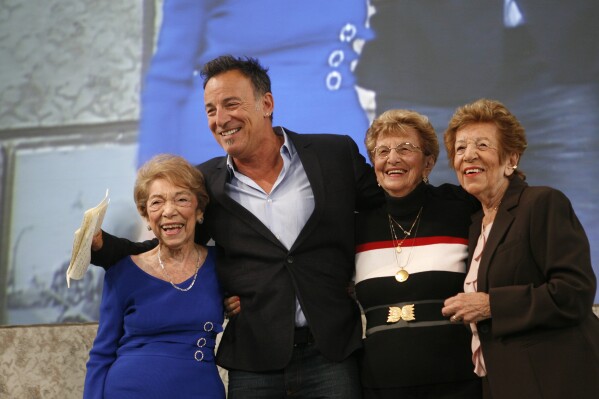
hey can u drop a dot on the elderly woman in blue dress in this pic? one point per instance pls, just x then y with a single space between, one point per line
161 309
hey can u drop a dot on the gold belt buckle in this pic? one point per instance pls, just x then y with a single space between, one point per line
397 313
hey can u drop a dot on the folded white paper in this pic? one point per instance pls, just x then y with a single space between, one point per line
82 245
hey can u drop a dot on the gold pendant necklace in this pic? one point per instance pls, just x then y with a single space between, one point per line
402 274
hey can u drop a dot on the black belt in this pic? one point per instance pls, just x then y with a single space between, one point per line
302 336
419 314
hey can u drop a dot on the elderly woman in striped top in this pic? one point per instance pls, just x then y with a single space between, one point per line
410 256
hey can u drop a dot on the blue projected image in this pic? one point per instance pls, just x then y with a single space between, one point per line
334 65
541 60
309 48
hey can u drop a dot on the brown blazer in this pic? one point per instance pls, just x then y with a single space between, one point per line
543 338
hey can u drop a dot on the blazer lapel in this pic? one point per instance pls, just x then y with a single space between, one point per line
473 235
501 224
230 205
313 170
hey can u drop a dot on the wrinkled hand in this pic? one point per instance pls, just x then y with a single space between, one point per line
97 241
232 306
469 307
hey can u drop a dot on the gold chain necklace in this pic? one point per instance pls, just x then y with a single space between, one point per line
402 274
170 280
407 233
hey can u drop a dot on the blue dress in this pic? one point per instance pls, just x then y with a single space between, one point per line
155 341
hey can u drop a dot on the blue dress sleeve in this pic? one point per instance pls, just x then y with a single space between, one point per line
110 331
169 83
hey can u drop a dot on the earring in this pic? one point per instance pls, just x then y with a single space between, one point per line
267 115
149 228
425 179
511 170
200 220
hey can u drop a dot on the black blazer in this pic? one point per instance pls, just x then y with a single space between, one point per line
543 338
254 265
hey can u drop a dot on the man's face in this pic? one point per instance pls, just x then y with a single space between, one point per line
236 118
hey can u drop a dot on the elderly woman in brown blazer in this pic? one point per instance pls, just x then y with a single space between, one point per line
530 286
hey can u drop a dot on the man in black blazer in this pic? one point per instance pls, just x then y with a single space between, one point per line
282 215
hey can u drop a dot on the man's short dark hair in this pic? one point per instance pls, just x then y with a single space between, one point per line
249 67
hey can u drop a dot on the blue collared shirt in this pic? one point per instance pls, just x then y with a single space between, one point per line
286 209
